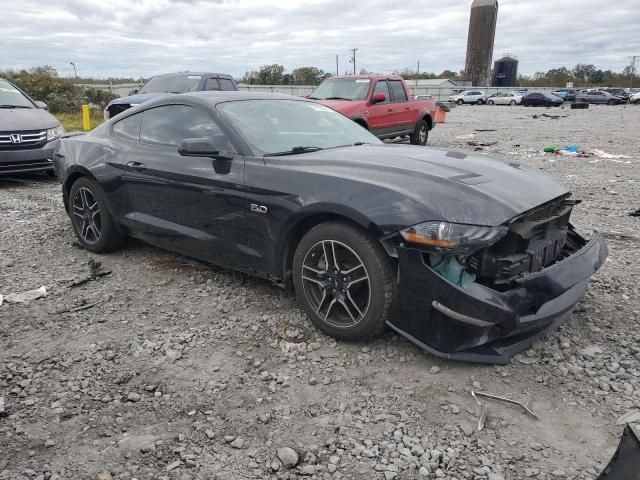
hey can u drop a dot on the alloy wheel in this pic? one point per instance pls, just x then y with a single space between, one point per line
422 135
86 215
336 283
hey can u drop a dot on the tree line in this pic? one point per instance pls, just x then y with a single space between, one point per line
60 94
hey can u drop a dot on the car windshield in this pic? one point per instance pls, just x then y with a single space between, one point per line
273 127
10 96
342 89
171 84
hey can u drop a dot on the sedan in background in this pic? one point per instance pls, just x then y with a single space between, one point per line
635 98
599 96
618 92
171 83
505 98
566 94
28 133
469 257
541 99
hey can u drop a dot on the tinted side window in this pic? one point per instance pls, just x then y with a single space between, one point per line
382 87
226 84
128 127
399 95
211 84
171 124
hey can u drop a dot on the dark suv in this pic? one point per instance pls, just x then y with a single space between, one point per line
171 83
28 133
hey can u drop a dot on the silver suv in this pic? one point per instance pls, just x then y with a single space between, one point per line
469 96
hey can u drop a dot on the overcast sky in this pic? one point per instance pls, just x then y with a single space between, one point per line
144 37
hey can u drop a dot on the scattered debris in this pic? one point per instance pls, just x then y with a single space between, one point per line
632 214
288 457
95 271
625 461
2 412
555 117
486 129
507 400
467 136
630 417
481 144
483 412
579 106
84 306
24 297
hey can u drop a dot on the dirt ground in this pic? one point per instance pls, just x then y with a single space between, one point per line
166 369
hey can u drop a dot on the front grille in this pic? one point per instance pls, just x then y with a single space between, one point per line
22 139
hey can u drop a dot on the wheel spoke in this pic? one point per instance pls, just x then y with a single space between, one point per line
353 302
356 281
354 319
322 301
330 254
333 302
351 270
84 231
313 280
83 198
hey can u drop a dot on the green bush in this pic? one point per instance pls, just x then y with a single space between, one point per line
60 94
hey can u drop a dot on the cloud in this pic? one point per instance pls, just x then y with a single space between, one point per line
145 37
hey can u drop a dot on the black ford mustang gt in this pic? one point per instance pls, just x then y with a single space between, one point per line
471 258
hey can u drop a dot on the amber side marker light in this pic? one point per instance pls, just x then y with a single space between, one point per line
413 237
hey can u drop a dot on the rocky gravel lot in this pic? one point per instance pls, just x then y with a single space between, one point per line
167 369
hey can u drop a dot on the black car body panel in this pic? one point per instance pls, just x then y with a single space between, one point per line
247 212
24 147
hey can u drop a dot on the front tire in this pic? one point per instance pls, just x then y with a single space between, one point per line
343 281
459 101
512 103
420 135
491 102
91 221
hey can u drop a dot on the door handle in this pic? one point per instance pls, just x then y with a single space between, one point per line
136 166
390 110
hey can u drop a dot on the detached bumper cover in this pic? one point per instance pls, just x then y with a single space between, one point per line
479 324
27 160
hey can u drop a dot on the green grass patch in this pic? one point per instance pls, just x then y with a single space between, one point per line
72 122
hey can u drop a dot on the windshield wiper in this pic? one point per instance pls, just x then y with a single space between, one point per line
314 98
294 151
14 106
336 98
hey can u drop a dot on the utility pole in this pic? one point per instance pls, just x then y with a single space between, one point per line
337 67
633 68
74 69
354 59
417 73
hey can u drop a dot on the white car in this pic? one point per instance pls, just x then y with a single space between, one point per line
469 96
505 98
635 98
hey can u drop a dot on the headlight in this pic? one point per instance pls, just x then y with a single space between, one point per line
53 133
453 237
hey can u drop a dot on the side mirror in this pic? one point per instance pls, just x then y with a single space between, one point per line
197 147
42 105
379 97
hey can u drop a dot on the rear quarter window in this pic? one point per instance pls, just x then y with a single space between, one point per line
129 127
226 84
397 90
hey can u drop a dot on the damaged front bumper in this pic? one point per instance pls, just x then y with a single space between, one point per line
476 323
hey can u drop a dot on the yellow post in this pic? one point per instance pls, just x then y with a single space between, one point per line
86 119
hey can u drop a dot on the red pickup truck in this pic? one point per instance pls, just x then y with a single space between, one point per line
381 104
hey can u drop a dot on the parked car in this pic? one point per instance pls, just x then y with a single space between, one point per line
541 99
423 97
469 257
635 98
170 83
505 98
28 133
618 92
469 96
599 96
380 103
566 94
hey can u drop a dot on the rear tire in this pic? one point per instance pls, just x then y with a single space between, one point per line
512 103
420 135
491 102
459 101
91 221
480 102
352 300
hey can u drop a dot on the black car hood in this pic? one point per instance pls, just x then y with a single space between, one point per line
424 183
17 119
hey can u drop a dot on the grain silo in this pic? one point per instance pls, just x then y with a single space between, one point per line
482 32
505 71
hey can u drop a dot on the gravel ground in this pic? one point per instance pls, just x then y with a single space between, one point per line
185 372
